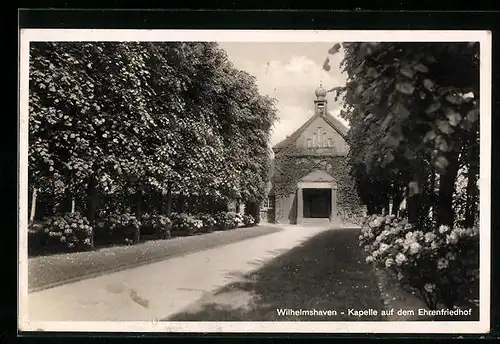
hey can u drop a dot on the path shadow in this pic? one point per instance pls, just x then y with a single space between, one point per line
327 272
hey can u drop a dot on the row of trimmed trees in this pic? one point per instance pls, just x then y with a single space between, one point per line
414 115
131 126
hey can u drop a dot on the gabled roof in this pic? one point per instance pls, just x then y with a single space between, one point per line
316 174
332 121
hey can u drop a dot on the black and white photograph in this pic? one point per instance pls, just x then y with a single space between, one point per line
254 181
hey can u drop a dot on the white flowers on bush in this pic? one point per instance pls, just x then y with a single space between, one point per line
377 222
429 287
400 258
452 238
383 247
422 259
429 237
389 262
415 248
443 229
434 245
442 263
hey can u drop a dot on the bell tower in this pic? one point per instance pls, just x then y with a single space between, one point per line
320 102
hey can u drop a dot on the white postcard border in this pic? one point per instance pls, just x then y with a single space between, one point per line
484 37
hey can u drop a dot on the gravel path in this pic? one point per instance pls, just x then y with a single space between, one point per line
50 271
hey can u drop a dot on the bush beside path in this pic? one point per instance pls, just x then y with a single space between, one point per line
49 271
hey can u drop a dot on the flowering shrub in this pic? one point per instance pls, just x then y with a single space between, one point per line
248 220
229 220
156 224
208 221
435 262
220 221
72 230
124 226
185 223
236 219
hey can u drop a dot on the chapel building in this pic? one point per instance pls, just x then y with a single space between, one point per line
310 177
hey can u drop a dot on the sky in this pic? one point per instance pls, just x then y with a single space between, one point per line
289 72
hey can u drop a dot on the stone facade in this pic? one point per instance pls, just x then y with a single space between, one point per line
310 172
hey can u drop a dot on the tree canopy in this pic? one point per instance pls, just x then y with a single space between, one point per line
116 120
413 110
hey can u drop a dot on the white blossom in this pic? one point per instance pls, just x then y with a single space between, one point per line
383 247
443 229
415 248
452 238
442 263
429 287
429 236
400 258
389 262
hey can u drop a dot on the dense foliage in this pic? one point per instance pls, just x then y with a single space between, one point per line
413 110
135 127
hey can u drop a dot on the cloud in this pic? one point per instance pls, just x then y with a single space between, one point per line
290 74
291 118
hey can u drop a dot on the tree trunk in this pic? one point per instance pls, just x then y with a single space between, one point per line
72 205
91 199
238 206
180 203
396 201
33 205
160 203
432 194
414 201
446 215
254 210
212 207
190 205
92 204
138 204
472 189
169 200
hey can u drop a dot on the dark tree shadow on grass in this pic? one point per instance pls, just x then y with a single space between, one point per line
325 273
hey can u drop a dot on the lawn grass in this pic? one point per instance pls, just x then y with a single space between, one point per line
327 272
49 271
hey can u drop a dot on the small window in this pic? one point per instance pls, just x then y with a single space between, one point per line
330 143
266 203
324 140
309 143
315 140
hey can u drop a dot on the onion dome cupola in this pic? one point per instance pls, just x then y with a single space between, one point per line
320 101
